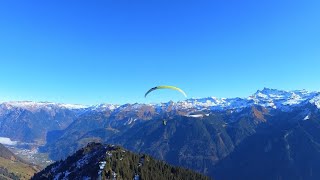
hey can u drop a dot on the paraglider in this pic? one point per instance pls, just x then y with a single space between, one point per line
166 87
164 122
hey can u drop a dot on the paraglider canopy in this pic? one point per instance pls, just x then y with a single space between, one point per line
166 87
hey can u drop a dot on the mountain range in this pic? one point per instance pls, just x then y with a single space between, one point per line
34 120
272 134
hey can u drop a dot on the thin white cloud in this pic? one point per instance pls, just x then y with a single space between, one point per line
7 141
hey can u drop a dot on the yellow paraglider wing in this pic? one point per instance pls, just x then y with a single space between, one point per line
165 87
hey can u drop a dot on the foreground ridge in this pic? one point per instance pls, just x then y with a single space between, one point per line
97 161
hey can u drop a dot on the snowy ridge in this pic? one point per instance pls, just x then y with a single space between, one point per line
102 107
32 106
269 98
316 101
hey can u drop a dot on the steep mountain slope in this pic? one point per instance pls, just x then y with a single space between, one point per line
97 161
288 147
255 143
13 167
196 143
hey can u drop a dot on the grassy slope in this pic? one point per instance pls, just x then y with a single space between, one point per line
25 171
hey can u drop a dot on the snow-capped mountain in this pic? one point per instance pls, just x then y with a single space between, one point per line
195 130
38 106
274 128
32 120
269 98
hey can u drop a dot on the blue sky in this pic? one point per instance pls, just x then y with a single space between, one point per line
93 52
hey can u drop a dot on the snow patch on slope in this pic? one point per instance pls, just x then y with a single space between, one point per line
316 101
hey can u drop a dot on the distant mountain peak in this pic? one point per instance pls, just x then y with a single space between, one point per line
270 91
